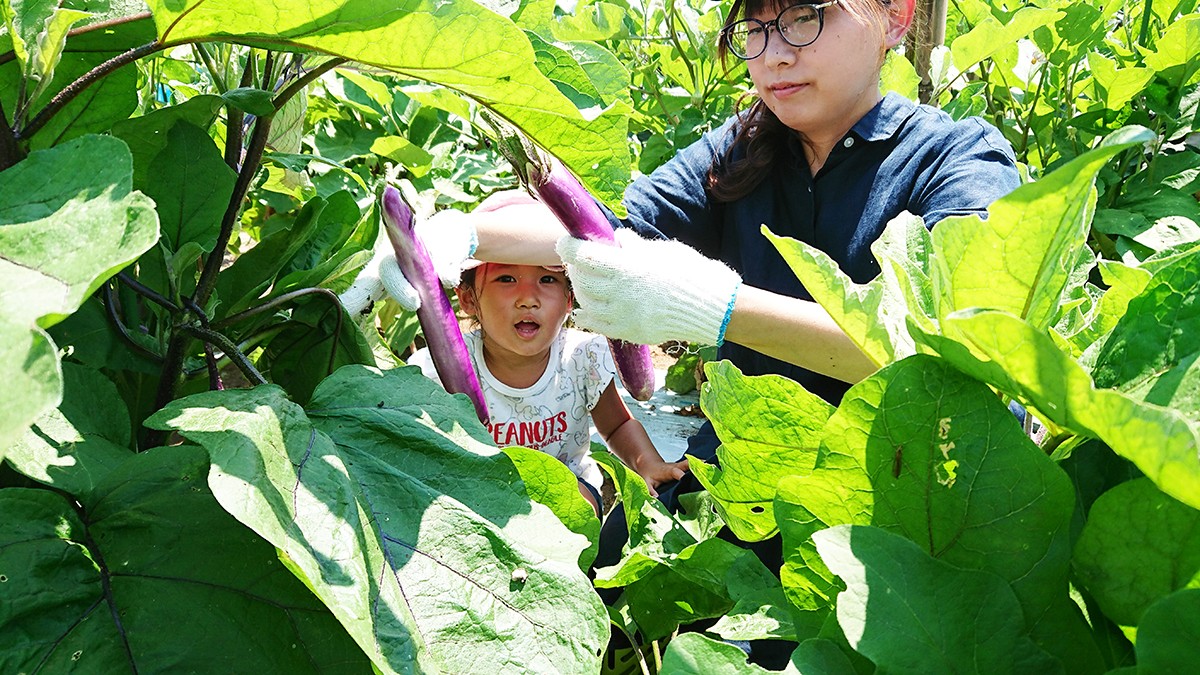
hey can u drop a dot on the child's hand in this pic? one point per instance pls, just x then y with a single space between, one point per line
660 472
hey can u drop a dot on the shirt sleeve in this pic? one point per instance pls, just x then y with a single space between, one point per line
975 168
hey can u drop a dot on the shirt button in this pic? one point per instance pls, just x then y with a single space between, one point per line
848 142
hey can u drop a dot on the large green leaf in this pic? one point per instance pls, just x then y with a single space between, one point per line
1014 260
911 613
395 509
1111 558
1027 364
148 574
990 36
921 450
68 221
77 445
769 428
1175 53
931 454
1169 634
190 183
457 44
874 315
1152 351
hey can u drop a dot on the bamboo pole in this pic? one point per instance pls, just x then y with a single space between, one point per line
928 31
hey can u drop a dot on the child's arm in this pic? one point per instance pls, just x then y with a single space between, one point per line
627 439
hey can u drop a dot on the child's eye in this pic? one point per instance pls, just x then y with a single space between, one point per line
549 279
506 278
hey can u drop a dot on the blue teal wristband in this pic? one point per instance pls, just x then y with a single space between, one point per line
728 315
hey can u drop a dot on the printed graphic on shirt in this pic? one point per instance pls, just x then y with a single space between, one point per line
554 414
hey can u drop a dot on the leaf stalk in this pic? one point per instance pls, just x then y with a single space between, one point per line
68 94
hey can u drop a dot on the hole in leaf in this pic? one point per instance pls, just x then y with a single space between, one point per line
757 509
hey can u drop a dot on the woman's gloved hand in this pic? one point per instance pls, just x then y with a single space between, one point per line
450 239
649 291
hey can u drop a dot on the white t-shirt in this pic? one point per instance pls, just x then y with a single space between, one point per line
553 415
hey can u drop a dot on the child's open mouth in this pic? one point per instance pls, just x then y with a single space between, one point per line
527 329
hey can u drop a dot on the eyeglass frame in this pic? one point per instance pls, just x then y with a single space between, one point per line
766 26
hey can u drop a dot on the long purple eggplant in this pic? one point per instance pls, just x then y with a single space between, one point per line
566 197
438 321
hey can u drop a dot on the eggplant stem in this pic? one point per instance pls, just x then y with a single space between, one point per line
68 94
110 305
212 337
10 152
274 303
148 293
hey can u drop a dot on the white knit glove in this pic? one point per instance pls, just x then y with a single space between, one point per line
648 291
449 237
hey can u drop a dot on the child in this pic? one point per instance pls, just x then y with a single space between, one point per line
541 379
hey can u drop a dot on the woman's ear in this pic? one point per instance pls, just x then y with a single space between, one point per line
900 18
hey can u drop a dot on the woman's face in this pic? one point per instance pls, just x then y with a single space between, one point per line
824 88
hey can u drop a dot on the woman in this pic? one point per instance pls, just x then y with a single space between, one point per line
820 156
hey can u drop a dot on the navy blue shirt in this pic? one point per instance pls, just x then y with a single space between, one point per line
899 157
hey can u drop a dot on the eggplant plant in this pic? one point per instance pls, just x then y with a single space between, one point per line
207 465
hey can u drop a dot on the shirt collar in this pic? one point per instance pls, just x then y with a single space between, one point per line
882 121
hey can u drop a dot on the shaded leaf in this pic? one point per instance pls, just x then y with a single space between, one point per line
77 445
148 574
694 654
911 613
416 533
254 101
1111 559
1169 633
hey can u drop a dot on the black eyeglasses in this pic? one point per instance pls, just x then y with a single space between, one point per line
798 25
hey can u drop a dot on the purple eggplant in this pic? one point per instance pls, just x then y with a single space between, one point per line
438 321
566 197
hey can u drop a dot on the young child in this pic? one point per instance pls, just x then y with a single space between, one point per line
542 380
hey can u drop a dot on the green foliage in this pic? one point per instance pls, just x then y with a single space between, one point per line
356 519
375 506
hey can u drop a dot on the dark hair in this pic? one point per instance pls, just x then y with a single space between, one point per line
760 135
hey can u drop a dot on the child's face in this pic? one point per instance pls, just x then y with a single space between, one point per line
521 308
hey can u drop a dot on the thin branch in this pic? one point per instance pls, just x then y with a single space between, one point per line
89 78
110 304
148 293
227 346
234 137
210 360
302 82
101 25
274 303
10 152
268 66
250 166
